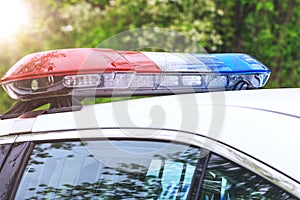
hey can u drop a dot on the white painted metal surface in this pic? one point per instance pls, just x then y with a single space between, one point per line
262 123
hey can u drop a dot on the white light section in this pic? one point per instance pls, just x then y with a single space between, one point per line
183 62
79 81
117 80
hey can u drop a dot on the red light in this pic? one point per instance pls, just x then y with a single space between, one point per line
78 61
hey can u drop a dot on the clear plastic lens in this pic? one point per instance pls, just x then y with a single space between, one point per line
135 83
79 81
10 90
117 80
191 80
132 81
218 82
146 81
169 80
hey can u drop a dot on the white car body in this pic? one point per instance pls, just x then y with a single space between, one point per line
261 126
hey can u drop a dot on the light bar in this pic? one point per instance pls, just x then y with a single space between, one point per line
105 73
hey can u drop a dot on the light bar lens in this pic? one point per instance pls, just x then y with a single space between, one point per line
132 73
172 81
116 80
191 80
169 81
79 81
140 84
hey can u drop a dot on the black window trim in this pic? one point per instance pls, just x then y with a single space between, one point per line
10 179
198 178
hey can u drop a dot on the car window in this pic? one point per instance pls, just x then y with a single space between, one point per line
227 180
116 169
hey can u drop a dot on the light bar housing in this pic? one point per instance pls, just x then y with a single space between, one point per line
106 72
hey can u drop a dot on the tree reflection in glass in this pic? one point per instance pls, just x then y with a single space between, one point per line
226 180
68 170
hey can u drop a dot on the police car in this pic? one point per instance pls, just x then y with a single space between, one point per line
194 137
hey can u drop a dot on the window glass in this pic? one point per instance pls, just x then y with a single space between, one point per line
226 180
109 170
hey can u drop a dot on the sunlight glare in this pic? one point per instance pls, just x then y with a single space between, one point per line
13 16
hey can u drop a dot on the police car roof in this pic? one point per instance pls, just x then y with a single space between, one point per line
262 123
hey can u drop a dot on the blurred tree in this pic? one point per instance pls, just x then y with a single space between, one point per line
195 19
269 30
5 101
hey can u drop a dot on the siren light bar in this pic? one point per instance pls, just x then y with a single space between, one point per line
106 73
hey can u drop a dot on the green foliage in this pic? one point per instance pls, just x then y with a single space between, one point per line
194 19
267 29
5 101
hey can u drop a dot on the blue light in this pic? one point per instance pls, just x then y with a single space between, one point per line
223 63
241 64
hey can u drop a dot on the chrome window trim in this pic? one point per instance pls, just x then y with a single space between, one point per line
8 139
263 170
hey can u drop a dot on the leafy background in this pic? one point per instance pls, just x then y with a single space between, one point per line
266 29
